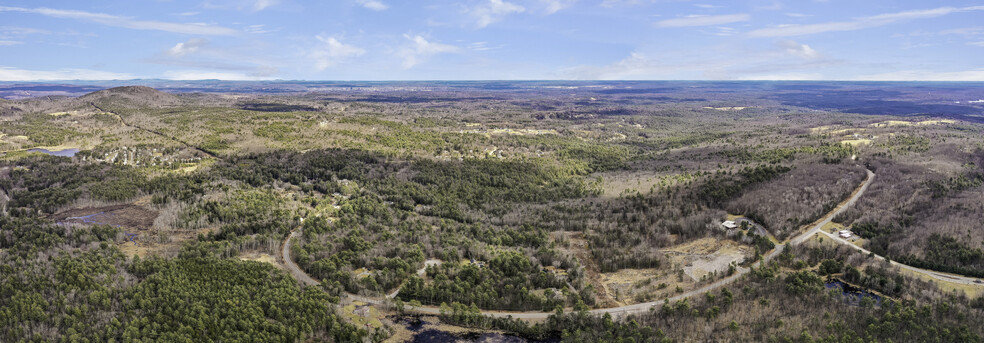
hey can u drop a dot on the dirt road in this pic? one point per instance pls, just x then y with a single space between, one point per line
155 132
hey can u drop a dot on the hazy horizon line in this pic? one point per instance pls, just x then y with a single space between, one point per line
477 80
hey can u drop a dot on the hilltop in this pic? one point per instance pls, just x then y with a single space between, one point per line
136 96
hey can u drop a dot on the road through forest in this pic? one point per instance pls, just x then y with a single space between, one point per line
644 307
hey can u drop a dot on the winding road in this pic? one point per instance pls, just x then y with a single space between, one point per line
645 307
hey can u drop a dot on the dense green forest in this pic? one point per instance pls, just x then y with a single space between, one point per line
64 284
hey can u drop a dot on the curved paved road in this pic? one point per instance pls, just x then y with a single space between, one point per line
966 280
645 307
292 267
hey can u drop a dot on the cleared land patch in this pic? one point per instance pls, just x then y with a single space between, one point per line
362 315
731 108
856 142
514 132
126 216
581 249
888 123
707 255
264 258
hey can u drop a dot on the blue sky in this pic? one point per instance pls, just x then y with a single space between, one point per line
492 39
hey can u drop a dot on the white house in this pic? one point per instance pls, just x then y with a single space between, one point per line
730 224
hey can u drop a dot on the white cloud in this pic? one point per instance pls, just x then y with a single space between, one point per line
859 23
554 6
118 21
980 44
420 49
260 5
926 75
15 74
189 47
704 20
210 75
9 42
797 49
373 5
332 51
201 54
494 11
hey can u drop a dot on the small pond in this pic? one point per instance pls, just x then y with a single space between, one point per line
424 333
63 153
852 295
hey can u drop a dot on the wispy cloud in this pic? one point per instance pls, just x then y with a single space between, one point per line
554 6
9 42
241 5
260 5
200 54
703 20
781 77
635 66
774 6
787 60
722 31
332 51
859 23
21 31
482 46
926 75
617 3
125 22
493 11
965 31
15 74
373 5
210 75
420 49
